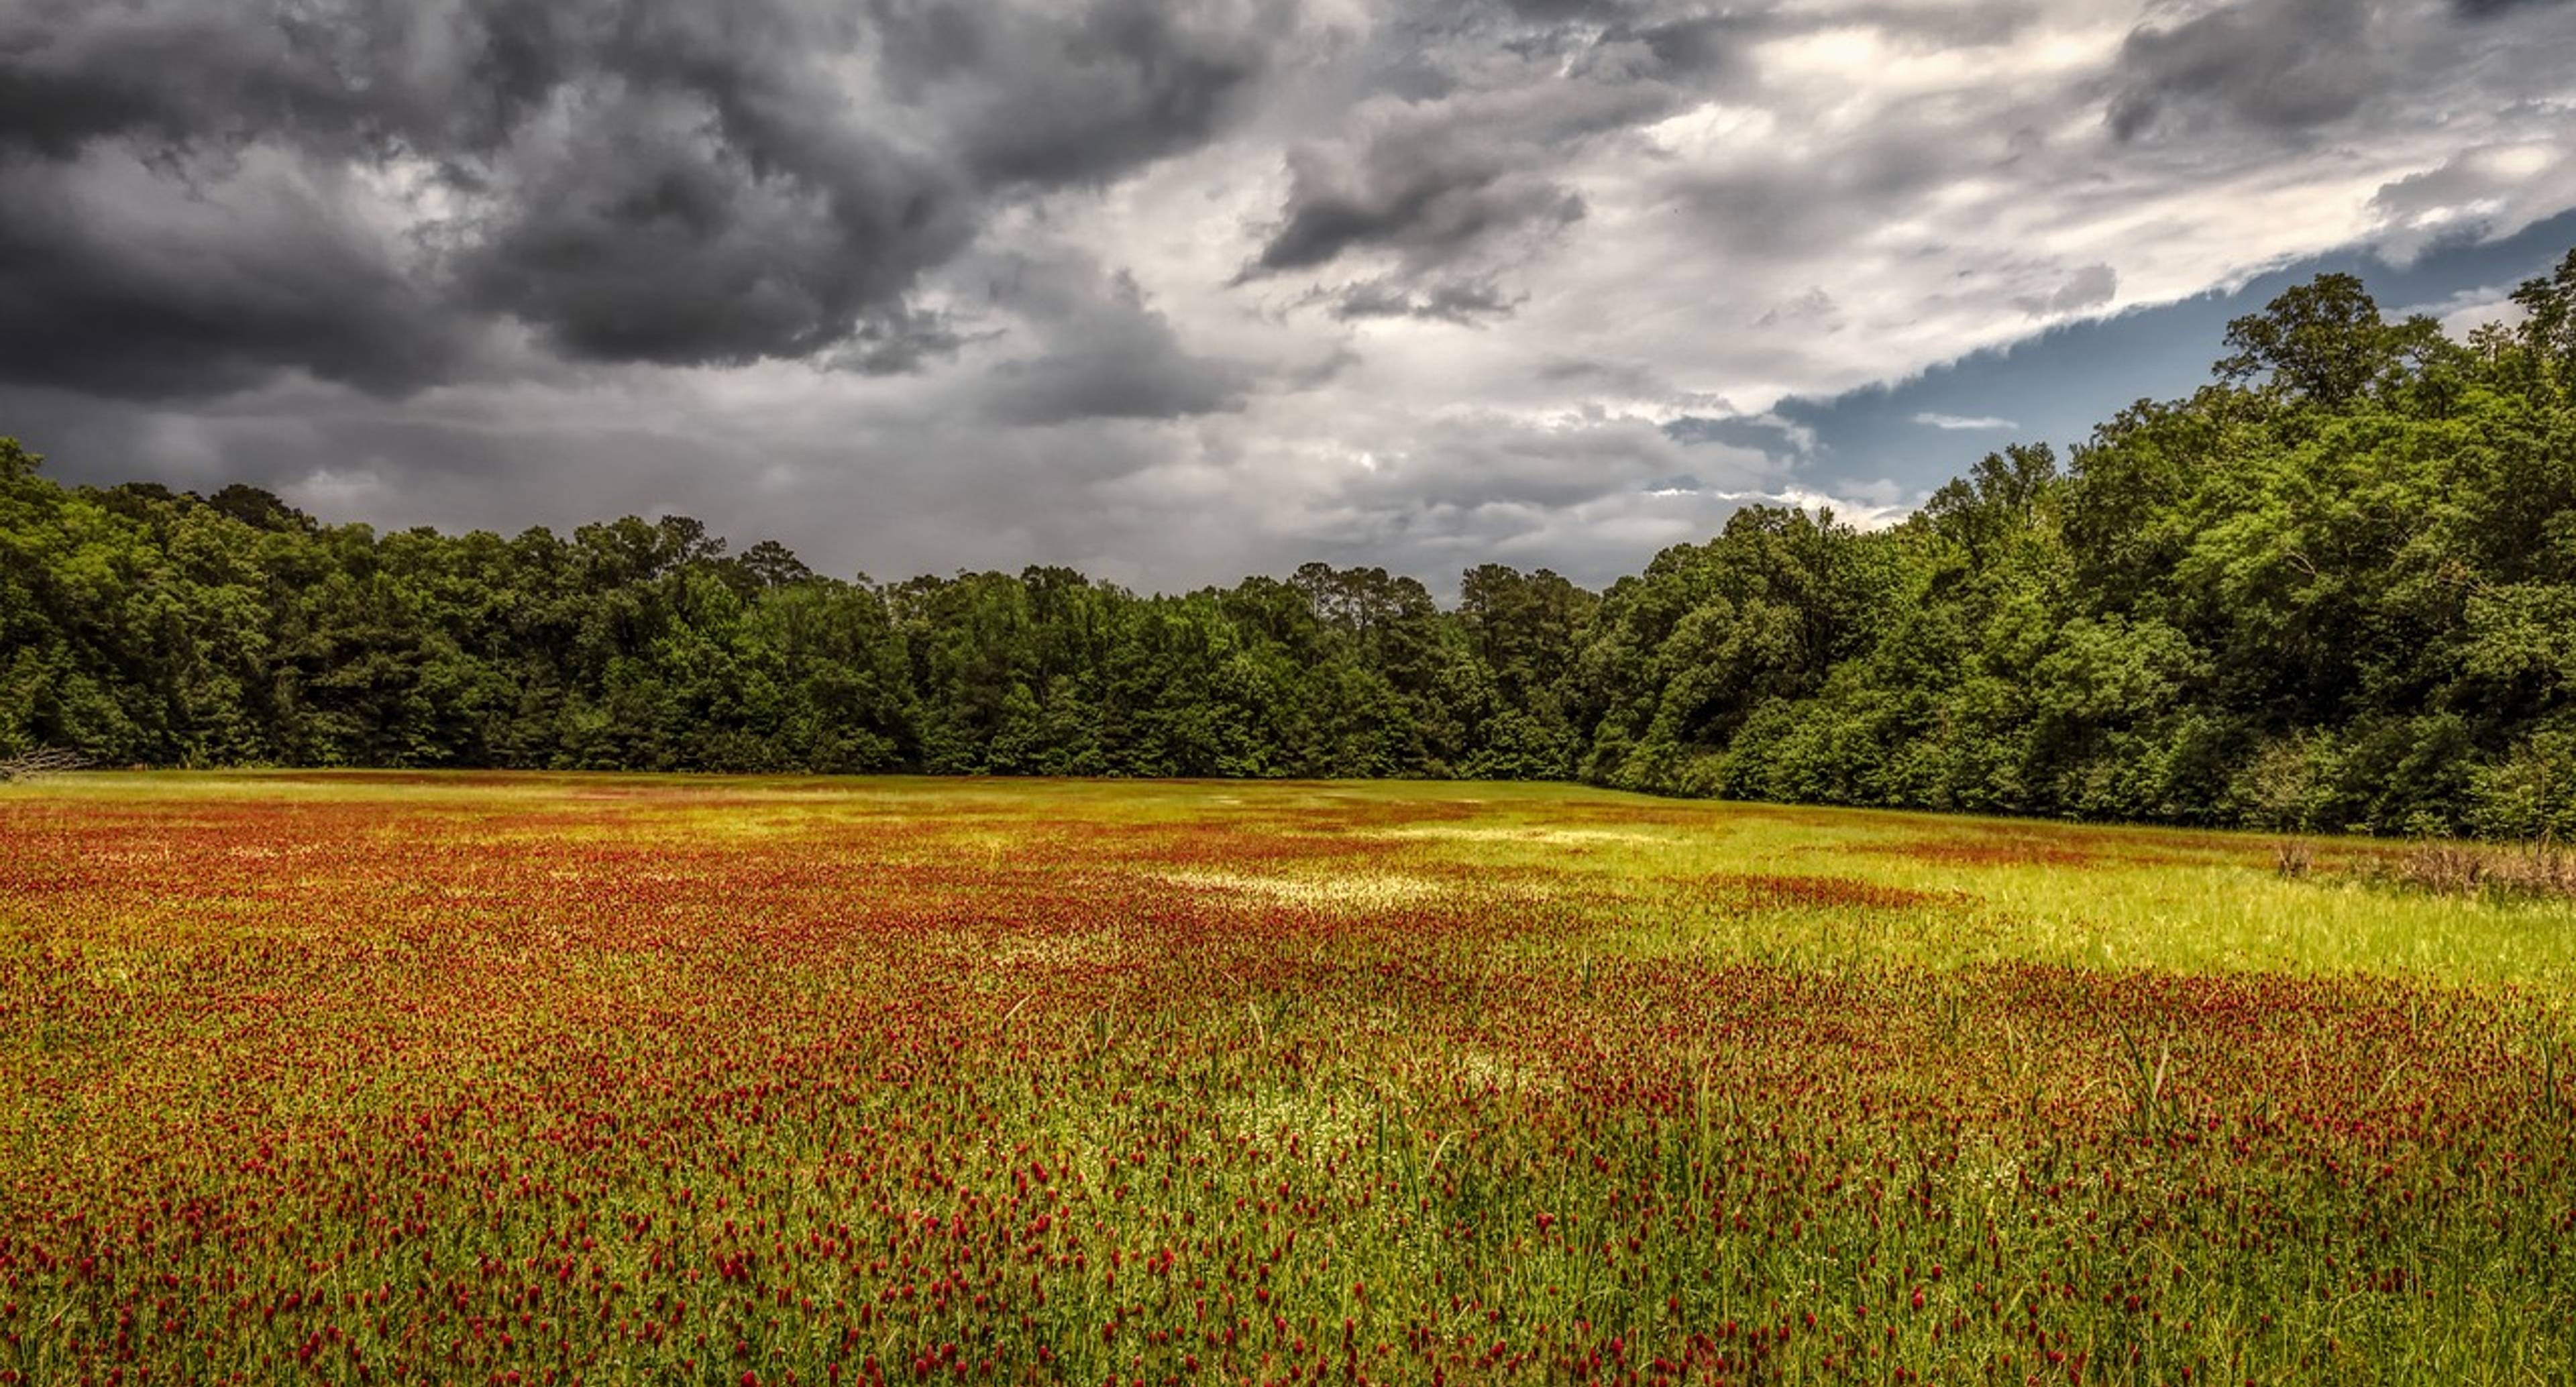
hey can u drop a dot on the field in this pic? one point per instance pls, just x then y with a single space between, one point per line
524 1079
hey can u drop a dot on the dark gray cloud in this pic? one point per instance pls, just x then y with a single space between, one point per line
647 234
1048 99
1428 196
1699 49
1565 11
1459 181
1462 300
2282 66
1104 353
117 280
365 187
898 343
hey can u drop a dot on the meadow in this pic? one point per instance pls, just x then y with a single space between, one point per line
534 1079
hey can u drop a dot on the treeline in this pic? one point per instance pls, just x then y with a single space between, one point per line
2334 589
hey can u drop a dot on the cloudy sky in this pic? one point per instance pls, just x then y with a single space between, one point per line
1177 290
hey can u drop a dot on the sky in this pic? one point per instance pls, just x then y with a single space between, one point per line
1173 291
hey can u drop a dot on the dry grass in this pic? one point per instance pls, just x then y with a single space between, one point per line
2541 869
40 762
2528 871
2293 860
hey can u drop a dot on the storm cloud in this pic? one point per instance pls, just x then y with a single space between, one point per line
2285 66
367 186
1104 353
1177 289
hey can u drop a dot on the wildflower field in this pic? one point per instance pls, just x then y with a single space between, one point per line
529 1079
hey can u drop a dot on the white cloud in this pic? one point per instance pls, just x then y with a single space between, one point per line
2469 309
1960 421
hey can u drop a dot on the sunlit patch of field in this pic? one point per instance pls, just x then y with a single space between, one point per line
1327 890
433 1078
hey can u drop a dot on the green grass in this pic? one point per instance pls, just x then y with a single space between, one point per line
442 1078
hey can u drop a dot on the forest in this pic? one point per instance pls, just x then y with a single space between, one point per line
2333 590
